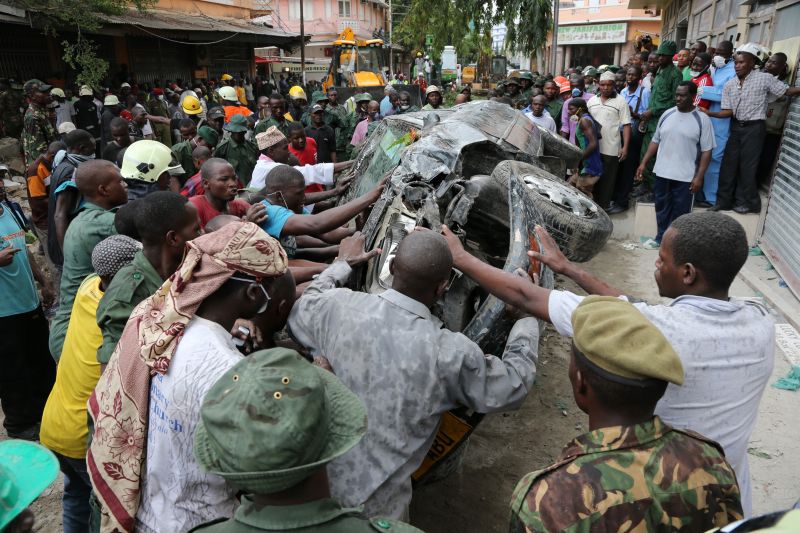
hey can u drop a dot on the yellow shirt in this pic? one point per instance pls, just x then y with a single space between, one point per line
64 421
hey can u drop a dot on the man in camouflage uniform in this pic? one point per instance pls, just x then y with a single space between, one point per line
331 119
297 418
206 136
526 87
37 129
631 471
11 104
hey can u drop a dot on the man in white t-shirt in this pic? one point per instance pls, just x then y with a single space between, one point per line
726 346
537 113
611 112
683 139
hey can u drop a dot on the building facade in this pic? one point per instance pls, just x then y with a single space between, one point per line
323 21
176 39
598 32
774 24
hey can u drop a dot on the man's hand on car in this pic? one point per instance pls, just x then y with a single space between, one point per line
551 255
351 249
342 184
454 243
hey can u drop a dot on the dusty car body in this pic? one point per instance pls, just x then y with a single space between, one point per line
488 173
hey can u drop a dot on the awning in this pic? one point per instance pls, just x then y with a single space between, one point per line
201 28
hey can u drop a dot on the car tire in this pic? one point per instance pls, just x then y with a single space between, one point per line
580 231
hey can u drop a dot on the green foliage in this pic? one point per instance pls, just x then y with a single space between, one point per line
82 57
80 15
466 24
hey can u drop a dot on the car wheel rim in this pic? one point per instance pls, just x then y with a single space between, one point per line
562 195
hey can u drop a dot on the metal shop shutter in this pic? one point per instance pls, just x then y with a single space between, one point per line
781 237
162 61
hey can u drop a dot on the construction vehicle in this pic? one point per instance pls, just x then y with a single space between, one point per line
357 67
355 62
449 71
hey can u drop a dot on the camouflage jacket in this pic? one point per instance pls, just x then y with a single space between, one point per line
11 103
37 133
647 477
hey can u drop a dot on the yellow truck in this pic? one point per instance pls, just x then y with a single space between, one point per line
355 62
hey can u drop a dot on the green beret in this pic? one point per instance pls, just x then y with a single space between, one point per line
208 134
616 337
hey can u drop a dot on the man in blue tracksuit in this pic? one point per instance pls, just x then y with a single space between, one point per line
723 72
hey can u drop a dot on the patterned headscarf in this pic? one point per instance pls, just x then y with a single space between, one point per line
119 404
113 253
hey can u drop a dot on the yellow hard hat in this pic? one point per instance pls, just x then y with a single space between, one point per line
297 93
228 93
146 160
191 105
226 77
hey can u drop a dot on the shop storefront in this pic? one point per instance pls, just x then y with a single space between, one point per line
592 44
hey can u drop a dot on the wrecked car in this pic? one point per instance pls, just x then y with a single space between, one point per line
491 175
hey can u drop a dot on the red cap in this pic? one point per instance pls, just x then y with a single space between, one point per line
126 115
158 91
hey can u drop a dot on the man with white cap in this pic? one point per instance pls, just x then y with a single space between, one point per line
274 150
111 110
433 98
612 113
65 111
86 113
231 104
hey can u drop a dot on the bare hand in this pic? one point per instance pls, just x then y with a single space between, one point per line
515 313
696 185
7 255
455 245
342 184
378 190
702 110
257 214
253 339
351 249
639 177
623 153
550 254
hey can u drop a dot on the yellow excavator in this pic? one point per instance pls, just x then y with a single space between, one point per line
355 62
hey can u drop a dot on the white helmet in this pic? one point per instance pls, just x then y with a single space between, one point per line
146 160
759 52
228 93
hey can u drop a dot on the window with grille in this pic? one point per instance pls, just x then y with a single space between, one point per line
344 8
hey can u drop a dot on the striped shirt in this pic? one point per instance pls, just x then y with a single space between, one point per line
703 80
748 98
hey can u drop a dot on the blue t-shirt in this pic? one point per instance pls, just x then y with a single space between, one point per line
17 290
277 216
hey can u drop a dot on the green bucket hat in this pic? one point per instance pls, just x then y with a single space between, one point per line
273 419
361 97
209 134
236 124
667 48
26 469
526 76
318 96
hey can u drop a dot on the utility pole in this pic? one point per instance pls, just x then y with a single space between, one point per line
554 45
302 45
391 55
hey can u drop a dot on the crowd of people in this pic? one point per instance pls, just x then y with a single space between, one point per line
187 231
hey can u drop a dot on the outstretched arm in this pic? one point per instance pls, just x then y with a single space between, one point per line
512 289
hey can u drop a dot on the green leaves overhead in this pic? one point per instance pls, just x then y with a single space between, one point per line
449 23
